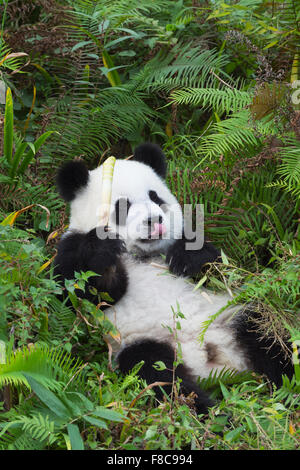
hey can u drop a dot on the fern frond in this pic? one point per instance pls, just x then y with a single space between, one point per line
11 63
234 133
61 319
291 188
16 439
222 100
88 125
289 392
38 426
119 7
47 365
225 375
27 432
185 66
289 168
290 15
237 225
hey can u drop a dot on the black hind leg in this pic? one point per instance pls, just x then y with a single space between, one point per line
151 351
265 355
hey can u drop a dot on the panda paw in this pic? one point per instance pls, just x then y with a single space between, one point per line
188 263
99 252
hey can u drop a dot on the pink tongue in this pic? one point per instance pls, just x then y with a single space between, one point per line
159 229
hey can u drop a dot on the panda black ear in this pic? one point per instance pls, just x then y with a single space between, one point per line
71 177
152 155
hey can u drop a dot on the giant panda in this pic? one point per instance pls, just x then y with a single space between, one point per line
144 265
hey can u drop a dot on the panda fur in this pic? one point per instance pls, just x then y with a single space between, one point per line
147 288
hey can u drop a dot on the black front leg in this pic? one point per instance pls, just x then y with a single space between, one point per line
183 262
151 351
86 252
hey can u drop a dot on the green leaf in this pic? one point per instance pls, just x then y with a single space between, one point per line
224 258
276 220
199 284
113 76
8 127
159 365
225 392
29 155
103 26
234 434
116 41
105 296
17 157
48 398
261 241
79 45
75 437
271 44
99 423
44 72
31 145
127 53
105 413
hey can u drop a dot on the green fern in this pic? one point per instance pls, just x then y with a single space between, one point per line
48 366
254 217
289 392
290 165
16 439
290 16
89 124
10 63
232 134
256 20
61 320
184 66
293 189
225 375
39 427
89 115
221 100
253 220
289 168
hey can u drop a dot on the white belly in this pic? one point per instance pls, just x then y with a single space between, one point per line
149 310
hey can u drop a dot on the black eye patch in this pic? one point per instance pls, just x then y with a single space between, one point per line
121 210
155 198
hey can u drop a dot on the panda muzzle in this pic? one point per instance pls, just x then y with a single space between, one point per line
159 229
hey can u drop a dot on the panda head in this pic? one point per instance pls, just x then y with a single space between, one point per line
143 210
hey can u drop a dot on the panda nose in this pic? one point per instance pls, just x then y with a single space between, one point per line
153 220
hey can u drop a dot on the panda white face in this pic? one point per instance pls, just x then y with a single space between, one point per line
143 210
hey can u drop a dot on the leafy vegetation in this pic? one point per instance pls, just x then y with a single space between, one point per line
217 85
